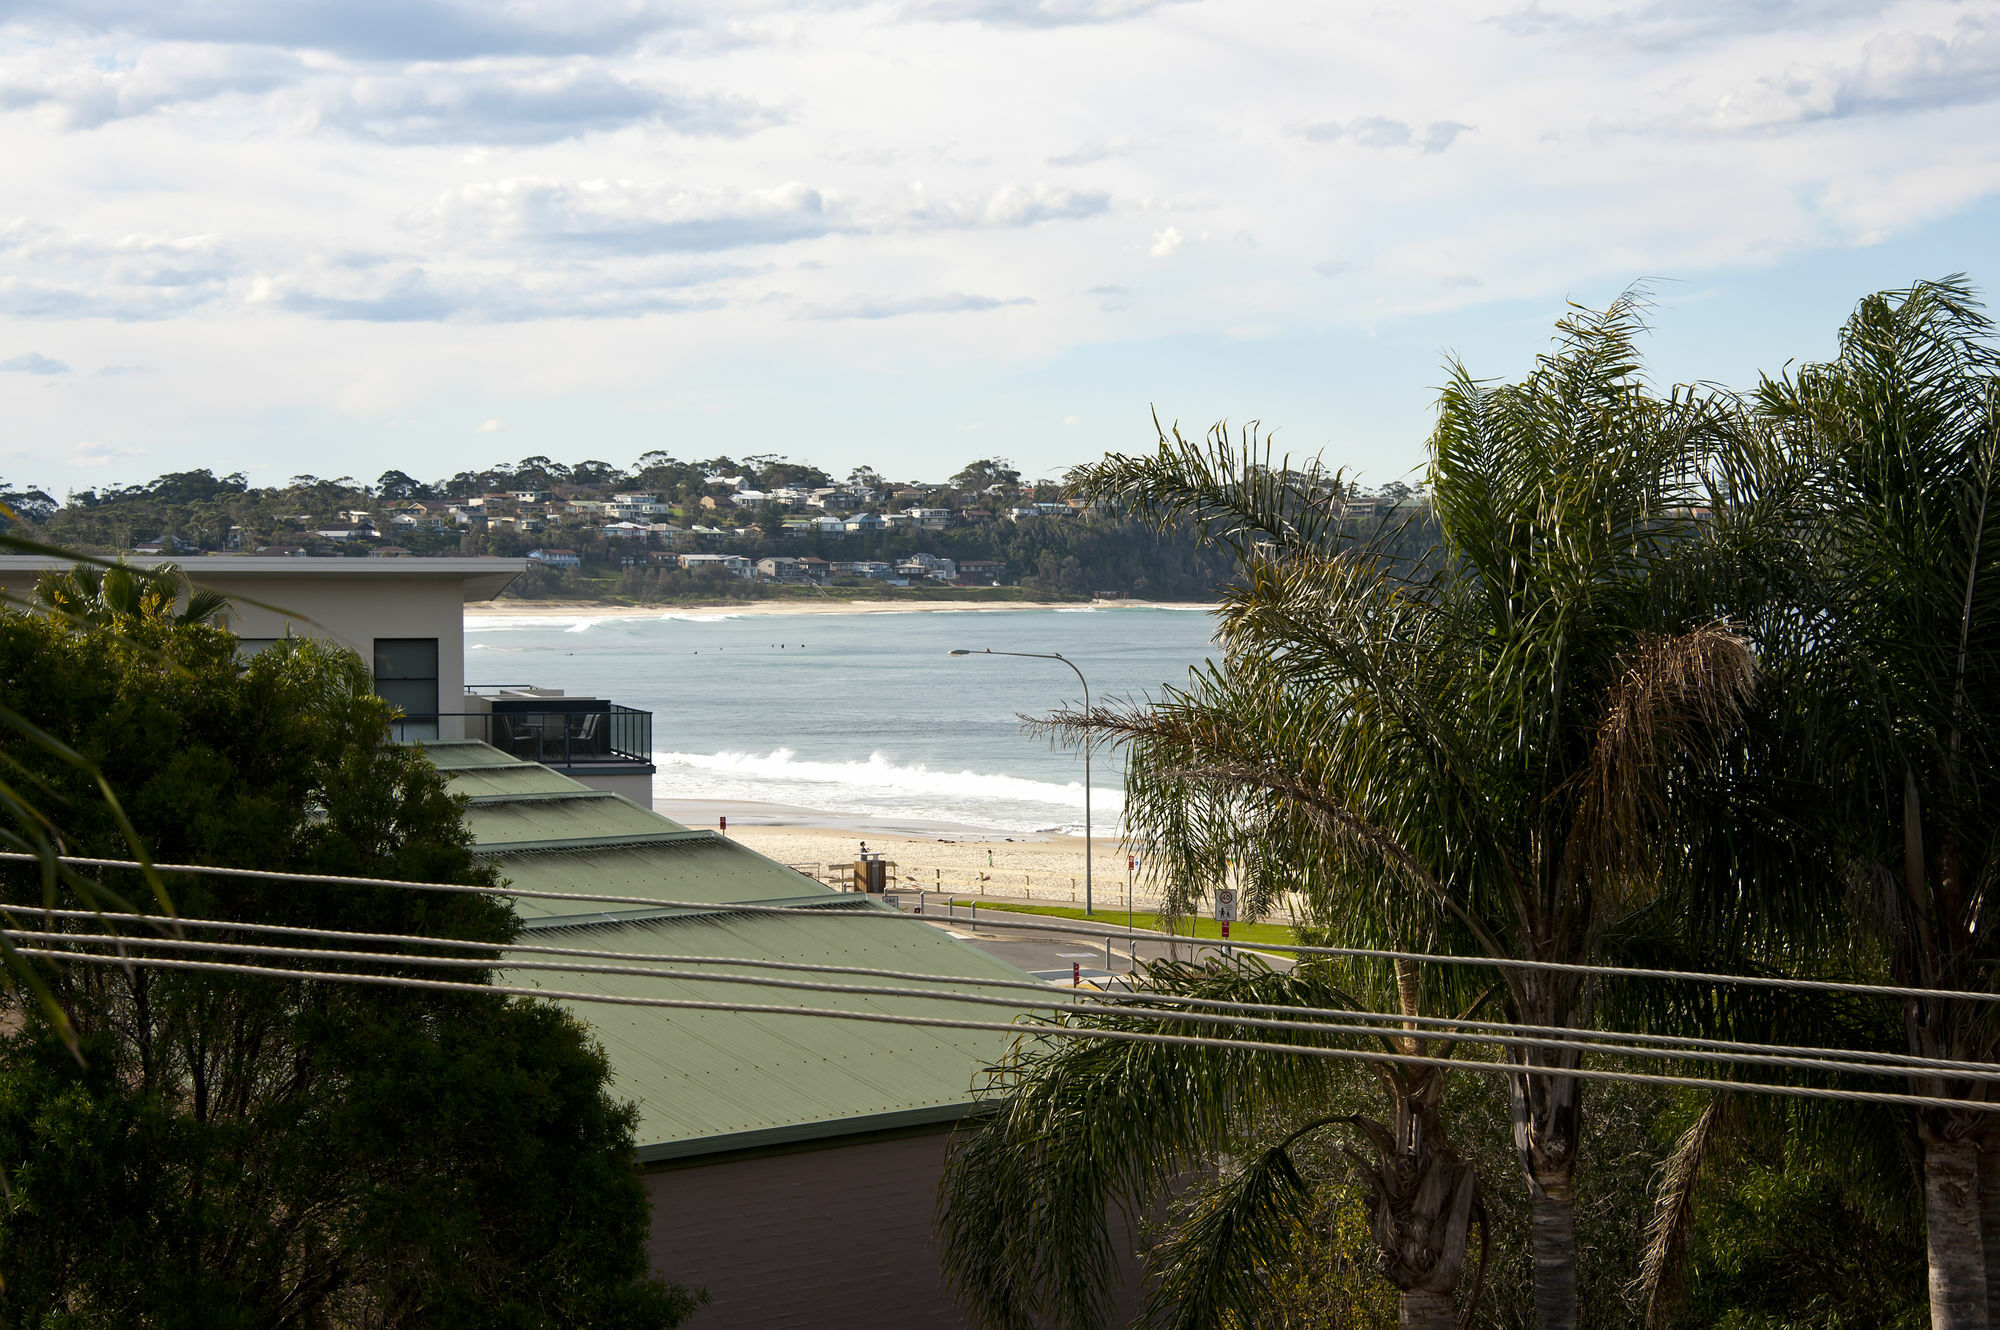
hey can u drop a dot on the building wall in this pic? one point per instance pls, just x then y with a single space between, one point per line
836 1237
350 601
634 785
833 1238
355 613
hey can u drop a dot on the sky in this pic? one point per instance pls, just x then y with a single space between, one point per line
292 237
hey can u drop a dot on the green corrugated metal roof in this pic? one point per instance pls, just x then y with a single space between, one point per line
707 1081
708 869
520 778
538 819
456 754
700 1076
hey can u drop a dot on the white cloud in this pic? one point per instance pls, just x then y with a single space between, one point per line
97 455
1085 154
522 103
872 307
313 211
1377 131
1900 71
623 217
491 427
32 362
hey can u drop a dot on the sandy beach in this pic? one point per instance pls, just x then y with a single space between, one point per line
934 854
1039 868
589 609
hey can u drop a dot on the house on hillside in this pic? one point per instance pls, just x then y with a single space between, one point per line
779 569
555 558
928 565
981 570
728 563
345 530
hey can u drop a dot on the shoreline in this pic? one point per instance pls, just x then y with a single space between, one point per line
597 609
1021 865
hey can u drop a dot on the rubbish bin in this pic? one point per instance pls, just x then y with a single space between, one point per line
871 875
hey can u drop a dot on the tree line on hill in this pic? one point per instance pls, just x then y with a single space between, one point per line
1059 556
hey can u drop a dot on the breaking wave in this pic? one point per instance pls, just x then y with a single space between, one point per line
884 787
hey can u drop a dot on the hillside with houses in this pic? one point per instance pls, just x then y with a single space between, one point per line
667 530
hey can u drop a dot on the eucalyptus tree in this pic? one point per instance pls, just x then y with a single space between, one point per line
1488 739
1898 437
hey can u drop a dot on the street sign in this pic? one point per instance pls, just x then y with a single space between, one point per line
1225 904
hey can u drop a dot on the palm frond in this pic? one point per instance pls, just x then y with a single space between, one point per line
1662 1269
1215 1267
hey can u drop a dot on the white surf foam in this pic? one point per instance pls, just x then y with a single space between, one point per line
882 786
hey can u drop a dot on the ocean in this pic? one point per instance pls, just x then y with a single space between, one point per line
860 715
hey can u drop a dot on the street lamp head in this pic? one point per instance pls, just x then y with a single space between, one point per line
961 652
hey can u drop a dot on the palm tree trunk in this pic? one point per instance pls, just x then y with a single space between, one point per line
1552 1238
1952 1239
1546 1110
1422 1309
1989 1224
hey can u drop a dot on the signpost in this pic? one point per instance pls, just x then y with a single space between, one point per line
1225 911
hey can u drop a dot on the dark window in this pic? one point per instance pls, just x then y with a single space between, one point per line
406 676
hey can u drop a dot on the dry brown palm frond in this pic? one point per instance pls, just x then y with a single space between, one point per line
1663 1269
1675 701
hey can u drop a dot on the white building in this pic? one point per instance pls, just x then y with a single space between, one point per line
732 563
631 506
928 565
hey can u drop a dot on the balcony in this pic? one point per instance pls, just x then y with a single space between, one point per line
588 739
603 733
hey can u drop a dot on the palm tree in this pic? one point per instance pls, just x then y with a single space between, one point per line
1085 1127
1897 439
119 593
1486 742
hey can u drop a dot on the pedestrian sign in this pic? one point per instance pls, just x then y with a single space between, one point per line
1225 904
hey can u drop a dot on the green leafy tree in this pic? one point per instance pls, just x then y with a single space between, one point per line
976 477
242 1151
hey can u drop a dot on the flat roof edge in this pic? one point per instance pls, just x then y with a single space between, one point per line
801 1133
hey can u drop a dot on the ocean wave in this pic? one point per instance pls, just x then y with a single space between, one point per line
882 786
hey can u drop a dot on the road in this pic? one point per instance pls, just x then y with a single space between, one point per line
1060 958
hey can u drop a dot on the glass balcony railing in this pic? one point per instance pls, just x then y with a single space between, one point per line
603 734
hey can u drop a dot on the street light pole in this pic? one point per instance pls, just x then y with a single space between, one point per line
1057 655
